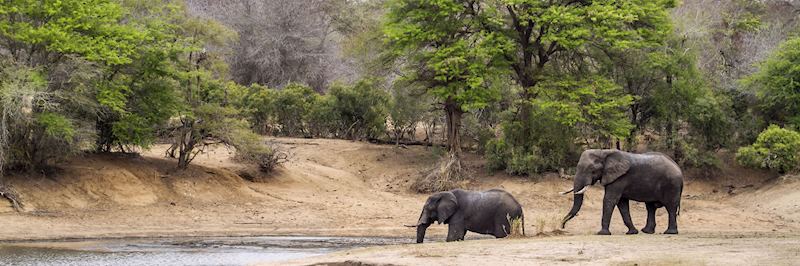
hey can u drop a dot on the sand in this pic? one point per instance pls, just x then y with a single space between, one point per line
346 188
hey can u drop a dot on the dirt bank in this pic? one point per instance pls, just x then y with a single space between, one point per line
340 188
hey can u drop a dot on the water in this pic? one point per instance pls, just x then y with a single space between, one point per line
180 251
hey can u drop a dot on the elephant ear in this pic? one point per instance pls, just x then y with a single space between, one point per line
447 206
615 166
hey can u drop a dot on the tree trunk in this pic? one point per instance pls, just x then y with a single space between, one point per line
449 170
454 114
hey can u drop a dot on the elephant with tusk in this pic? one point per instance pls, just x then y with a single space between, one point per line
652 178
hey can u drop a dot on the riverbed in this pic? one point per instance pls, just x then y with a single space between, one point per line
181 251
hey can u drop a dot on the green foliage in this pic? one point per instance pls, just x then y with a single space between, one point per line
360 108
672 101
776 148
90 29
55 125
549 146
405 110
34 129
290 107
594 104
776 84
455 66
620 24
354 111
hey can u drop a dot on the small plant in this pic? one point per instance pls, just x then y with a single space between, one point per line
266 157
547 224
775 148
517 227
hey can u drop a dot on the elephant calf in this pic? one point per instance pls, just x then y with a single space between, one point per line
485 212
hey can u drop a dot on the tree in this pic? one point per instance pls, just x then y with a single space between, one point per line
283 41
557 63
137 97
671 99
776 85
61 45
453 57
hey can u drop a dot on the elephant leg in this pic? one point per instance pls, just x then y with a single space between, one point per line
501 227
672 211
625 212
650 227
610 200
456 231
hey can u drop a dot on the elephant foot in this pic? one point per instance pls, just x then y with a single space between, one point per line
604 232
632 231
671 232
648 230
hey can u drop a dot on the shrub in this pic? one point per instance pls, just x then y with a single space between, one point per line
290 107
360 109
547 146
266 157
321 118
775 149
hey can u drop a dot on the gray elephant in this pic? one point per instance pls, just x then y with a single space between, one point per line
485 212
652 178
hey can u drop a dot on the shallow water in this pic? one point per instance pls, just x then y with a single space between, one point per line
180 251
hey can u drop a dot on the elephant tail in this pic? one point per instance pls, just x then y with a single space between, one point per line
523 225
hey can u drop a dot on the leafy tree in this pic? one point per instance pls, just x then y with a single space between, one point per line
557 62
672 99
453 57
776 85
59 45
139 96
44 32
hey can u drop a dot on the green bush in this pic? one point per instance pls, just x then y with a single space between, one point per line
321 117
290 107
360 109
775 149
540 144
496 154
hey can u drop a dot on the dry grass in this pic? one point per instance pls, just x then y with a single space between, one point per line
517 230
547 223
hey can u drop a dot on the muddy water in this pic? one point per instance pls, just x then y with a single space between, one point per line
179 251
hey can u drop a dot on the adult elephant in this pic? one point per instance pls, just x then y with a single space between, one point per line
652 178
485 212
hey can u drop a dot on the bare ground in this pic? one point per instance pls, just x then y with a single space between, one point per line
344 188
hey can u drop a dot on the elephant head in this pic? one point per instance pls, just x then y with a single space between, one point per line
595 165
439 207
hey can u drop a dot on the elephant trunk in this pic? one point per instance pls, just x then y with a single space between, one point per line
576 206
577 202
421 228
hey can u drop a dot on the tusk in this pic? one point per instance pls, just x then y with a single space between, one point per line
582 190
566 192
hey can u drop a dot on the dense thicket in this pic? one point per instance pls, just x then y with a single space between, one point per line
528 84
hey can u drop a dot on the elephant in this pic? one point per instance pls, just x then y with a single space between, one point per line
484 212
652 178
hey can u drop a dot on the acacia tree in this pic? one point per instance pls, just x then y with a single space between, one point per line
451 54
